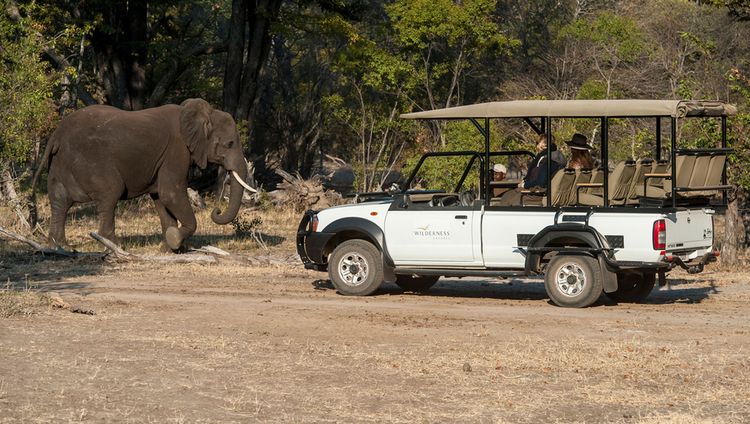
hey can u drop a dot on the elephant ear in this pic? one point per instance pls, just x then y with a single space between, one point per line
195 125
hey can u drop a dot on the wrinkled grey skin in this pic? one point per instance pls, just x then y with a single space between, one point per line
104 154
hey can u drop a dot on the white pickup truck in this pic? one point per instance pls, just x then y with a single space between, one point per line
619 247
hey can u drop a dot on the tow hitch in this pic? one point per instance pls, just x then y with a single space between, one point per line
692 267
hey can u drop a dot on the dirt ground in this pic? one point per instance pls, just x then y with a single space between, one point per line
90 340
230 343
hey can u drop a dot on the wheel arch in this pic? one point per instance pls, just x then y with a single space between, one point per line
359 228
571 239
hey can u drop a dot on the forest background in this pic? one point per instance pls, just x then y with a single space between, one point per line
309 79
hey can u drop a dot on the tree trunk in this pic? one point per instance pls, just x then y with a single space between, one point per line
121 50
9 196
246 57
734 231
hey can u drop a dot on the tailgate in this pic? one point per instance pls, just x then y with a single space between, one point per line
689 229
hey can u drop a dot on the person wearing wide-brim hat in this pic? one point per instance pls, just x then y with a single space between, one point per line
580 152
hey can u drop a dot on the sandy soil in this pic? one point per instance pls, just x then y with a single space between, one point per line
230 343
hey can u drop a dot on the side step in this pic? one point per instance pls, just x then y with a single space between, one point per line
452 272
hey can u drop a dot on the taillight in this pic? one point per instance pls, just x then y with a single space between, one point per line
660 235
314 224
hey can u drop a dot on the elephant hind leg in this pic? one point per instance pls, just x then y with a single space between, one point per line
60 203
106 203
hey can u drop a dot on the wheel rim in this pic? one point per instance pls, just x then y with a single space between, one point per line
571 279
353 269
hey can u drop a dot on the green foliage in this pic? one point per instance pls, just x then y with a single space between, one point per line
443 173
26 107
443 39
617 37
592 89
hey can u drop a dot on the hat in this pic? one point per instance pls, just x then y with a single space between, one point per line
579 142
499 167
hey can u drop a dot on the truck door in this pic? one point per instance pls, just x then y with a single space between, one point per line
421 234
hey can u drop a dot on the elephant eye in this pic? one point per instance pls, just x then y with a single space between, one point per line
230 144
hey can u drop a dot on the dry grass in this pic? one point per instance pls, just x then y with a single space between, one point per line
21 303
137 227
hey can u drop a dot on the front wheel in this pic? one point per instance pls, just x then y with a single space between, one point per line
355 268
573 281
633 287
416 284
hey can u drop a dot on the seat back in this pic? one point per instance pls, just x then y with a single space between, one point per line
597 177
715 169
642 167
700 171
582 176
659 167
684 171
619 181
560 185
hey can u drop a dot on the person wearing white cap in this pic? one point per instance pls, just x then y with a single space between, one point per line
498 174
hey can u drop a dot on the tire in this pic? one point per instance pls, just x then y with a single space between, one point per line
573 281
416 284
633 287
356 268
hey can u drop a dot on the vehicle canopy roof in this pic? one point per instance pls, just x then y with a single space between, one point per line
580 109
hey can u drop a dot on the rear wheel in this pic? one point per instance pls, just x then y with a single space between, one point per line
355 268
416 284
633 287
573 281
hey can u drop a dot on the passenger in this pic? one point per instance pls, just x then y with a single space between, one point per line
498 174
580 152
536 174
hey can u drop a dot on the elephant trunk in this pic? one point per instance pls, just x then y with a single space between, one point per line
235 200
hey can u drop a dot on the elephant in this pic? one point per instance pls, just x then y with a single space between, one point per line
104 154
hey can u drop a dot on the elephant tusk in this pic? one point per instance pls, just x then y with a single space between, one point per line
242 183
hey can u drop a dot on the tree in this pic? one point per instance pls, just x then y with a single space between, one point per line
248 48
442 41
26 106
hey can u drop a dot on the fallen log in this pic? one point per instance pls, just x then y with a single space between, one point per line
38 247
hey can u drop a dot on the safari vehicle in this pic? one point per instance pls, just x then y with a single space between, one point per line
615 230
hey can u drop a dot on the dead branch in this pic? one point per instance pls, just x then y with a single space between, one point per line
212 250
109 244
38 247
301 194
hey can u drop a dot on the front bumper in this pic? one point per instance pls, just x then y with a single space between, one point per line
311 245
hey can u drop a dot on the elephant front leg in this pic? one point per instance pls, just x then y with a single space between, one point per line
178 207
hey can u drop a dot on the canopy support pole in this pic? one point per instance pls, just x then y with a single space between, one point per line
486 166
673 134
549 165
605 160
533 125
658 139
479 127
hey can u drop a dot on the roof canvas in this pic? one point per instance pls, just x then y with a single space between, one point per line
579 109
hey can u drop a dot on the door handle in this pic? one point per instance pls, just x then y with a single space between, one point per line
462 217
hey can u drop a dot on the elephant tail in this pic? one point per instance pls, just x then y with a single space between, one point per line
43 163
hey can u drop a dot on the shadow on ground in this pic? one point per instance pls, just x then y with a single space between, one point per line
520 289
196 241
31 271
